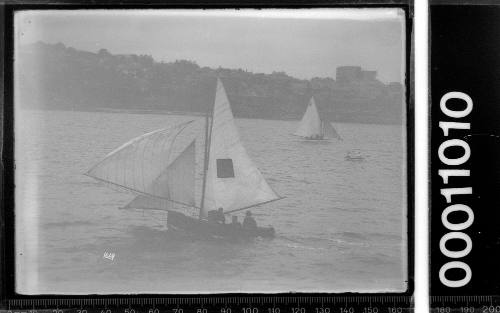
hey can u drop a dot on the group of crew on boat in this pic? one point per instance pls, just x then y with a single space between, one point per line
218 217
315 137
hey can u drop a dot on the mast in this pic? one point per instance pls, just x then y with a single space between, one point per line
233 180
208 136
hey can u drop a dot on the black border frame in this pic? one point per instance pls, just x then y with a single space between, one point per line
7 166
478 292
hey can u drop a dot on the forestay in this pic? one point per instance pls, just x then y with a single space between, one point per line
233 181
143 166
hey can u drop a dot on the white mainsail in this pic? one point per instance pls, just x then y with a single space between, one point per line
143 166
312 125
233 182
178 180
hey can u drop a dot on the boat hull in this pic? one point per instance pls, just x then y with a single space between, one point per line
179 221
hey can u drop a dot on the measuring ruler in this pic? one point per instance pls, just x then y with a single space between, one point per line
465 304
215 304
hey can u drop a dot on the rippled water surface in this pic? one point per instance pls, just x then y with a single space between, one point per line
341 226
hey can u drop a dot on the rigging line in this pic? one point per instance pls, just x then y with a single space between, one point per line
141 192
173 141
154 157
132 155
181 127
144 144
158 149
153 152
208 137
137 172
149 168
132 160
170 152
152 168
253 205
145 209
167 174
272 189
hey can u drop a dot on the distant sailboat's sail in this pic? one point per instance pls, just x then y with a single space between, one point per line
310 125
233 181
329 131
178 180
143 166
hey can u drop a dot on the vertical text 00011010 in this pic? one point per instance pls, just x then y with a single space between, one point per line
465 154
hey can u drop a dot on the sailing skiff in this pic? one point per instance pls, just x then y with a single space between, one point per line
162 180
313 127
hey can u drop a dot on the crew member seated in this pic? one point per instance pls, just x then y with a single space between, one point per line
249 222
217 216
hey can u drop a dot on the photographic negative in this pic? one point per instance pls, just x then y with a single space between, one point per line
210 151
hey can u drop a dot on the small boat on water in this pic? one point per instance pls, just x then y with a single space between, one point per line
313 127
354 155
148 167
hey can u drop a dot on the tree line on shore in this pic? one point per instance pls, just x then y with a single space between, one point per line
53 76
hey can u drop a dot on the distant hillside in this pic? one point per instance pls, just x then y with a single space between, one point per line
60 77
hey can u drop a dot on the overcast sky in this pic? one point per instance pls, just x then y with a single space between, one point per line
302 43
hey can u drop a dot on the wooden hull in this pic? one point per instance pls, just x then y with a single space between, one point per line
179 221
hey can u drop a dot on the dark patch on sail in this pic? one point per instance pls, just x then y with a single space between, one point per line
225 168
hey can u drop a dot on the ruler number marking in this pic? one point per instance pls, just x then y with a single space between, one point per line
490 309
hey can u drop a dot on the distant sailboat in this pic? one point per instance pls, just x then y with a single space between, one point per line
313 127
163 181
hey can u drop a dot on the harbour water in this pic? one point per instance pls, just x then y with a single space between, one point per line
340 228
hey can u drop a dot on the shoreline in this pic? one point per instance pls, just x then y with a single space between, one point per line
188 113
